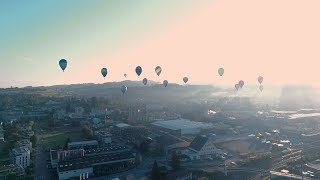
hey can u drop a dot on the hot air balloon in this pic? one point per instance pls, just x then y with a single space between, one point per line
125 75
158 70
63 64
124 89
221 71
237 86
260 79
138 70
165 83
241 83
185 79
261 88
145 81
104 72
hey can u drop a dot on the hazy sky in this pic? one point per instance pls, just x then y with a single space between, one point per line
278 39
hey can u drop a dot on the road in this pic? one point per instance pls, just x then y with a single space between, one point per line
40 169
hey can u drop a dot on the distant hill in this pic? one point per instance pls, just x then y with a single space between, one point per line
154 92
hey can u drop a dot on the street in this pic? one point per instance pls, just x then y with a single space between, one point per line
40 169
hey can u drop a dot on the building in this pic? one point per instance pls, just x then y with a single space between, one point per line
182 126
170 143
61 155
12 169
96 165
104 137
179 175
202 147
313 168
20 156
83 145
24 143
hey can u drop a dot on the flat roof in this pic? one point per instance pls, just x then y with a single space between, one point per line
20 150
108 149
86 162
122 125
181 124
93 142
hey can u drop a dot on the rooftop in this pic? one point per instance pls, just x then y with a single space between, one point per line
122 125
181 124
93 142
85 162
108 149
20 151
198 142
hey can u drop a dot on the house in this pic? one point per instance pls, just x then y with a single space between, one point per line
202 147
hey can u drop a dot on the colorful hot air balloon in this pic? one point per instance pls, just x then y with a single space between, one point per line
165 83
138 70
158 70
260 79
237 86
145 81
124 89
63 64
241 83
221 71
261 88
104 72
185 79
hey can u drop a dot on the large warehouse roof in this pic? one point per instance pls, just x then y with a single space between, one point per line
181 124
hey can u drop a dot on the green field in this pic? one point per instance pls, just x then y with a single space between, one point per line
58 139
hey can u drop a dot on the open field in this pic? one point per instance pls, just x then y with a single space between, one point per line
58 139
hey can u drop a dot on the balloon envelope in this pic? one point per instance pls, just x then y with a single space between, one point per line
104 72
221 71
236 86
261 88
185 79
260 79
145 81
63 64
124 89
165 83
241 83
138 70
125 75
158 70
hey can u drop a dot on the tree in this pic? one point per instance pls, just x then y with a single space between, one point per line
30 123
86 133
155 172
11 176
144 147
34 140
66 144
175 161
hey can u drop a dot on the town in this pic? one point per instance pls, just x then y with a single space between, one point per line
62 133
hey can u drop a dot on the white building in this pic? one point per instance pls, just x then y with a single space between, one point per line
20 156
83 173
186 126
202 147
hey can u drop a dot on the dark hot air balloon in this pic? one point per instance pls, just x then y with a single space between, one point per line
63 64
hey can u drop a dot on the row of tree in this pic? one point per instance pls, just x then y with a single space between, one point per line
175 165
